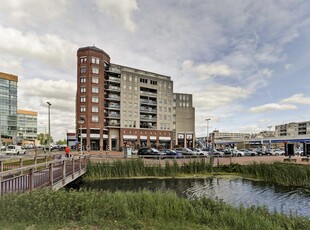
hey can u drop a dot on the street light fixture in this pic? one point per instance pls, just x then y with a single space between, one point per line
207 119
81 122
49 127
269 127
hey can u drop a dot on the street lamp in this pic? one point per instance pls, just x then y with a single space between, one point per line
269 127
207 119
81 122
49 127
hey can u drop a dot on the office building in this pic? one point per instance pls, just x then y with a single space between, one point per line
8 107
27 127
119 106
293 129
184 120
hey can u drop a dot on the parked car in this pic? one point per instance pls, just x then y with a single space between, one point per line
275 152
200 152
248 152
150 152
216 152
15 150
185 151
3 148
237 153
170 153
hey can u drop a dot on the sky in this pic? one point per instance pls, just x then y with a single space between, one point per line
246 62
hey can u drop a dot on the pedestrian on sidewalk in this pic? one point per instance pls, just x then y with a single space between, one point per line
67 151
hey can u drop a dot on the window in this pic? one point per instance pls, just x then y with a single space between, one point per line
83 109
143 80
95 70
95 80
83 99
153 82
83 59
83 69
95 99
83 79
94 118
94 89
82 89
95 60
95 109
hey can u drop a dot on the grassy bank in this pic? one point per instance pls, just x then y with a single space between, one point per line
48 209
281 173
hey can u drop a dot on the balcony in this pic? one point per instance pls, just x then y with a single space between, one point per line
113 97
148 102
113 115
113 79
113 88
113 124
148 110
148 118
113 106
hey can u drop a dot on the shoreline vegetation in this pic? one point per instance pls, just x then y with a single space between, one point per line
90 209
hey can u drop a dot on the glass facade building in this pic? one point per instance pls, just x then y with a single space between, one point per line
8 107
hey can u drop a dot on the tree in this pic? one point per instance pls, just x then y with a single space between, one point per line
43 138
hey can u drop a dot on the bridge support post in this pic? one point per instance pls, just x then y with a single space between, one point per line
64 172
51 179
1 186
73 168
1 166
30 180
80 165
21 165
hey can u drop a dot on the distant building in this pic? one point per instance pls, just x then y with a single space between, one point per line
27 127
293 129
184 120
119 106
229 136
8 107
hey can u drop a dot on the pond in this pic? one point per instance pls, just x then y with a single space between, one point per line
234 191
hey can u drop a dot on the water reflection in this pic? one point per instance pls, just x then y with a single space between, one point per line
234 191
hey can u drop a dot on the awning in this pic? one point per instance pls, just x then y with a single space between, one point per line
153 138
143 137
164 138
130 137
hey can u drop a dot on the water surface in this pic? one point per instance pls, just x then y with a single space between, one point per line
234 191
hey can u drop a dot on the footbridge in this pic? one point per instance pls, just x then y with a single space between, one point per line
52 171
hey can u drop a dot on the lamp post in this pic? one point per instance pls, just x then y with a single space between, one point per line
207 119
81 122
49 127
269 127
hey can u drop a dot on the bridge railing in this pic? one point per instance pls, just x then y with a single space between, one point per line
55 174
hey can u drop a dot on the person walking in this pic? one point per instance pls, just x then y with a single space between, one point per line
67 151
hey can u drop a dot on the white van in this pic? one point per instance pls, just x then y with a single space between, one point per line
15 149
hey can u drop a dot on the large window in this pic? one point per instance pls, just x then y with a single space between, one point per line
83 109
95 60
82 89
95 70
94 89
83 79
83 99
95 118
95 99
95 109
95 79
83 69
83 59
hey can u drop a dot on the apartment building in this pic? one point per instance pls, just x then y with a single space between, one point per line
229 136
27 127
118 106
293 129
8 107
184 120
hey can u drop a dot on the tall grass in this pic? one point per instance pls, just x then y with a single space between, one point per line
47 209
281 173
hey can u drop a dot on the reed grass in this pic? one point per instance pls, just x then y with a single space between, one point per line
86 209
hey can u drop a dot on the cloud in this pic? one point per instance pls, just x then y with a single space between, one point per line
288 66
47 48
272 106
297 99
219 95
207 70
121 10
